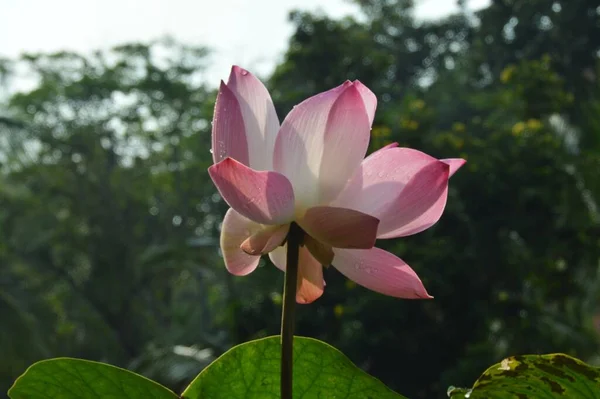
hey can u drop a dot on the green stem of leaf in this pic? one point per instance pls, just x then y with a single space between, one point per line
288 314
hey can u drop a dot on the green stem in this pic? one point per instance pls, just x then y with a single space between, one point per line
288 313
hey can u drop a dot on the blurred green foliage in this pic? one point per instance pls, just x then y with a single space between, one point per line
109 239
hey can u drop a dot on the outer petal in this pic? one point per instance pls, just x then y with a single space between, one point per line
387 147
340 227
264 197
310 274
235 230
420 204
404 188
380 271
380 179
228 131
313 136
259 117
265 240
433 214
369 99
455 164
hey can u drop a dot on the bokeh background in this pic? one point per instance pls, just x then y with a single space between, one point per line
109 223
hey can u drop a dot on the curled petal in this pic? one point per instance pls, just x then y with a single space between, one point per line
420 204
380 271
404 188
265 240
264 197
259 117
454 163
340 227
313 135
228 130
380 179
310 284
234 231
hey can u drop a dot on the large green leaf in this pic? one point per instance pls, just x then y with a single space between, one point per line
251 371
535 376
66 378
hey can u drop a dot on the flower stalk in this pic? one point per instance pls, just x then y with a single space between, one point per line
288 313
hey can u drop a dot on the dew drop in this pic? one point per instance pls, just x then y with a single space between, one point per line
381 174
211 150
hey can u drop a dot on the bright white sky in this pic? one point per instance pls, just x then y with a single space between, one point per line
250 33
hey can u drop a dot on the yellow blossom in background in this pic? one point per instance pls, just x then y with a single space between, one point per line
338 310
507 73
417 105
503 296
276 298
518 128
531 125
458 143
458 127
534 124
381 131
409 124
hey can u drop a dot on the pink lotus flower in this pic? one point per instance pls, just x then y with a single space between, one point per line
310 170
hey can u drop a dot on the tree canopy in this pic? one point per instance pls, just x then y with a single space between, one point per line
110 224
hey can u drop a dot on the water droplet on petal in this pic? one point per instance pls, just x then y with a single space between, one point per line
381 174
211 150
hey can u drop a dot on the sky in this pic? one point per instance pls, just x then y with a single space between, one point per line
249 33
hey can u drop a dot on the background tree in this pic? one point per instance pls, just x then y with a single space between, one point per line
110 223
